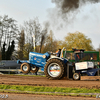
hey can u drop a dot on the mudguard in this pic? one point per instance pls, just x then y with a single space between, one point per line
62 59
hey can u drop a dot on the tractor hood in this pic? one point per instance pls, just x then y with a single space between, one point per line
40 55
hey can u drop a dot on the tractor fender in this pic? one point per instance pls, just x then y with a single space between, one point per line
62 59
18 62
55 58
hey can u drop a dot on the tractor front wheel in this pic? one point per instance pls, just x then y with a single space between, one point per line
34 69
25 68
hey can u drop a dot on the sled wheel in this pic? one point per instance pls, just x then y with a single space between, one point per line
54 69
25 68
76 76
34 69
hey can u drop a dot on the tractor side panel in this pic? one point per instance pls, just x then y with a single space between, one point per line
37 59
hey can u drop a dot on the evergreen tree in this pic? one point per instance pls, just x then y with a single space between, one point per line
6 55
3 52
8 52
21 42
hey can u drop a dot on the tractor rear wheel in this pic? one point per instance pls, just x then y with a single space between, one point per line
25 68
54 69
76 76
34 69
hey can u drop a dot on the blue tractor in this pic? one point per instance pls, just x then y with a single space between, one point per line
57 67
53 66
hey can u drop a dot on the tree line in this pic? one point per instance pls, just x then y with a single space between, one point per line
19 42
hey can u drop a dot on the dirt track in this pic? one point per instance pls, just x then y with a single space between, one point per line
43 81
13 96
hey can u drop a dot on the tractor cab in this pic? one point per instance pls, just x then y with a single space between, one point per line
78 54
82 66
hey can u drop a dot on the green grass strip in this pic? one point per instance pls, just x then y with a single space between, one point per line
48 89
26 75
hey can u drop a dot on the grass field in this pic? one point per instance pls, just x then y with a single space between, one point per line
46 90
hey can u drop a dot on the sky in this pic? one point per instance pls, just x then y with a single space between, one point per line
86 19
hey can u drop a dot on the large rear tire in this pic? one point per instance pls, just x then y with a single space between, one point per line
54 69
25 68
34 69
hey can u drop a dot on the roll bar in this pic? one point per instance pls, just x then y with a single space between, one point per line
62 52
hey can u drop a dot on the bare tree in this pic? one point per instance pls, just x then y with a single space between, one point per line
8 30
44 35
33 27
51 43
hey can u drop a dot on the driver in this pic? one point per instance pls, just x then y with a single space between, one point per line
58 52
